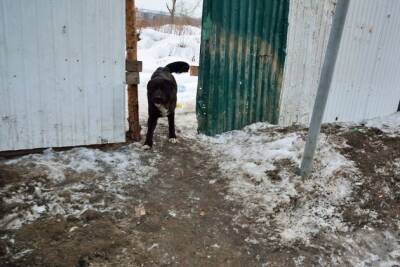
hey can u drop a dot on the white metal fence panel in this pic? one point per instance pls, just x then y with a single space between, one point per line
62 71
308 32
366 83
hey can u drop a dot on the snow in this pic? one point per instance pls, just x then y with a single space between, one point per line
397 166
71 182
388 124
158 47
368 247
159 5
155 245
260 162
248 158
186 123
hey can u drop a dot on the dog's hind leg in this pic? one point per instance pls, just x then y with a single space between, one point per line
171 128
151 126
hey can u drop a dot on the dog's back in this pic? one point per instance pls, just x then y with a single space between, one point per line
163 73
162 79
175 67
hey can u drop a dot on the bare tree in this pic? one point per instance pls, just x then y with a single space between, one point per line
172 10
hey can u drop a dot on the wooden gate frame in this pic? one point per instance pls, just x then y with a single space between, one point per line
133 67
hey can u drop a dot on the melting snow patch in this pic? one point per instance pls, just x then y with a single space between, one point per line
388 124
396 165
22 253
261 166
73 181
155 245
367 247
261 162
172 213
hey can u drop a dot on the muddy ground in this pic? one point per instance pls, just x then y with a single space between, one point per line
182 216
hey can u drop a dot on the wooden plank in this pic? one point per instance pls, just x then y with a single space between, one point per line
194 70
132 78
133 65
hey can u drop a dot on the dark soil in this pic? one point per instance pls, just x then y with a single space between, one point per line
181 217
187 222
374 154
60 245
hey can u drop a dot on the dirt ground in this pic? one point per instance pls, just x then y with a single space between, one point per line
182 216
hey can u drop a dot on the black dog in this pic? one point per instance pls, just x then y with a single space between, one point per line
161 96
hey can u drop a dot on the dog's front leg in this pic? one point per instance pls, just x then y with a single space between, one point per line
171 127
151 126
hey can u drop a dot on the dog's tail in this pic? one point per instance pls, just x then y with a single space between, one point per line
178 67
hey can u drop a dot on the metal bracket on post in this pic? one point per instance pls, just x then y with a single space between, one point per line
328 68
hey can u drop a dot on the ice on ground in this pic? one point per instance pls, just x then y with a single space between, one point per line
187 125
164 45
73 181
261 165
397 167
367 247
388 124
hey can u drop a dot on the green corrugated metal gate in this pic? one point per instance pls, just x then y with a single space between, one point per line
241 64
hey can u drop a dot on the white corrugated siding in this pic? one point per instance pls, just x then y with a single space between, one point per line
366 81
62 67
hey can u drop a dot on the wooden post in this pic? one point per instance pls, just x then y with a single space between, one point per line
133 133
194 70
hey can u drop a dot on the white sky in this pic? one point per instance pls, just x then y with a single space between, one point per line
159 5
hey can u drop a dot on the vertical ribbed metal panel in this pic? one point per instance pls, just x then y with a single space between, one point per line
309 26
62 66
366 83
241 63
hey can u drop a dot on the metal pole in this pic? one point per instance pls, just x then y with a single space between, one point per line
328 68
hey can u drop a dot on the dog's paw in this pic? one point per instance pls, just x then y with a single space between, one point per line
173 140
146 147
